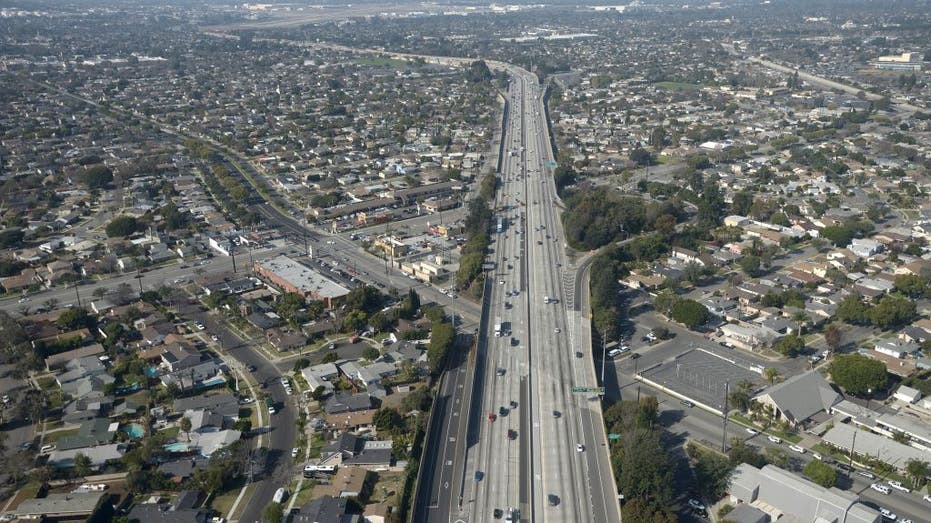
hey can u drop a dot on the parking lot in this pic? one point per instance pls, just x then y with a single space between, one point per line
700 376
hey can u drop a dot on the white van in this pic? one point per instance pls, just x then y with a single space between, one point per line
280 495
46 449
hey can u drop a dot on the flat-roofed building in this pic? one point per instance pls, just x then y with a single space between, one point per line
781 494
77 505
293 276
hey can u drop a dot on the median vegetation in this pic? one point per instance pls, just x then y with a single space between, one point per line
477 226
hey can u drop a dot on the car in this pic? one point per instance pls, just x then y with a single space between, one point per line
687 403
817 456
552 499
579 447
796 448
497 513
845 467
8 517
515 292
614 353
927 497
46 449
332 346
888 514
879 487
556 414
557 330
492 417
500 282
288 391
295 451
478 476
26 445
752 431
214 337
512 434
898 486
24 299
865 474
250 368
774 439
200 326
696 504
502 411
500 372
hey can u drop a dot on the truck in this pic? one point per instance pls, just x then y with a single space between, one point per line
499 327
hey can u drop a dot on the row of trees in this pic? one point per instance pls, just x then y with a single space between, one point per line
477 225
891 311
642 467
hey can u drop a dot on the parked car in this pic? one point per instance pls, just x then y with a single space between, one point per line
865 474
752 431
879 487
774 439
696 504
796 448
898 486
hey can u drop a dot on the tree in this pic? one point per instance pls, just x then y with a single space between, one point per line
892 311
641 157
800 318
370 353
858 374
12 237
387 419
82 465
789 345
917 471
821 473
272 513
122 226
852 310
712 473
665 300
442 336
690 313
911 285
740 397
98 177
742 453
771 374
833 336
75 318
185 425
750 264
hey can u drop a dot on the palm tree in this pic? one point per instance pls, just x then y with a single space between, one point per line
771 374
917 471
799 317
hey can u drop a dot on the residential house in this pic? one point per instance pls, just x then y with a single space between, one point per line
345 402
326 508
800 397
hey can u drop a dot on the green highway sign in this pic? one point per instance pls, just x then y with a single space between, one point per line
550 164
614 436
588 390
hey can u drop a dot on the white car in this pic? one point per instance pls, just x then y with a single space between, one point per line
927 498
294 452
888 514
774 439
579 447
752 431
817 456
898 486
557 330
695 504
796 448
879 487
865 474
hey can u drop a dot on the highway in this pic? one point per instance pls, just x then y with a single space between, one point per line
528 423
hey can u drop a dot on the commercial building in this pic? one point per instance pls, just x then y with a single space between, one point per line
899 62
800 397
772 493
77 505
865 443
292 276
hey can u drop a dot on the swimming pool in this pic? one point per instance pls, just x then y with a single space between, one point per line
178 447
134 430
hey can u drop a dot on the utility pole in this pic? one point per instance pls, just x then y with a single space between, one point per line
604 347
233 254
77 294
724 425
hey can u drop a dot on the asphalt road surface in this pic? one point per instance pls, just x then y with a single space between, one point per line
539 446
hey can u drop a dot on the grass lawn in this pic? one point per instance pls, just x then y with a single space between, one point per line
387 487
677 86
223 502
380 60
305 494
171 432
52 437
47 382
316 444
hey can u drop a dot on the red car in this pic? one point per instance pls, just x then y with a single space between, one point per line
492 417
